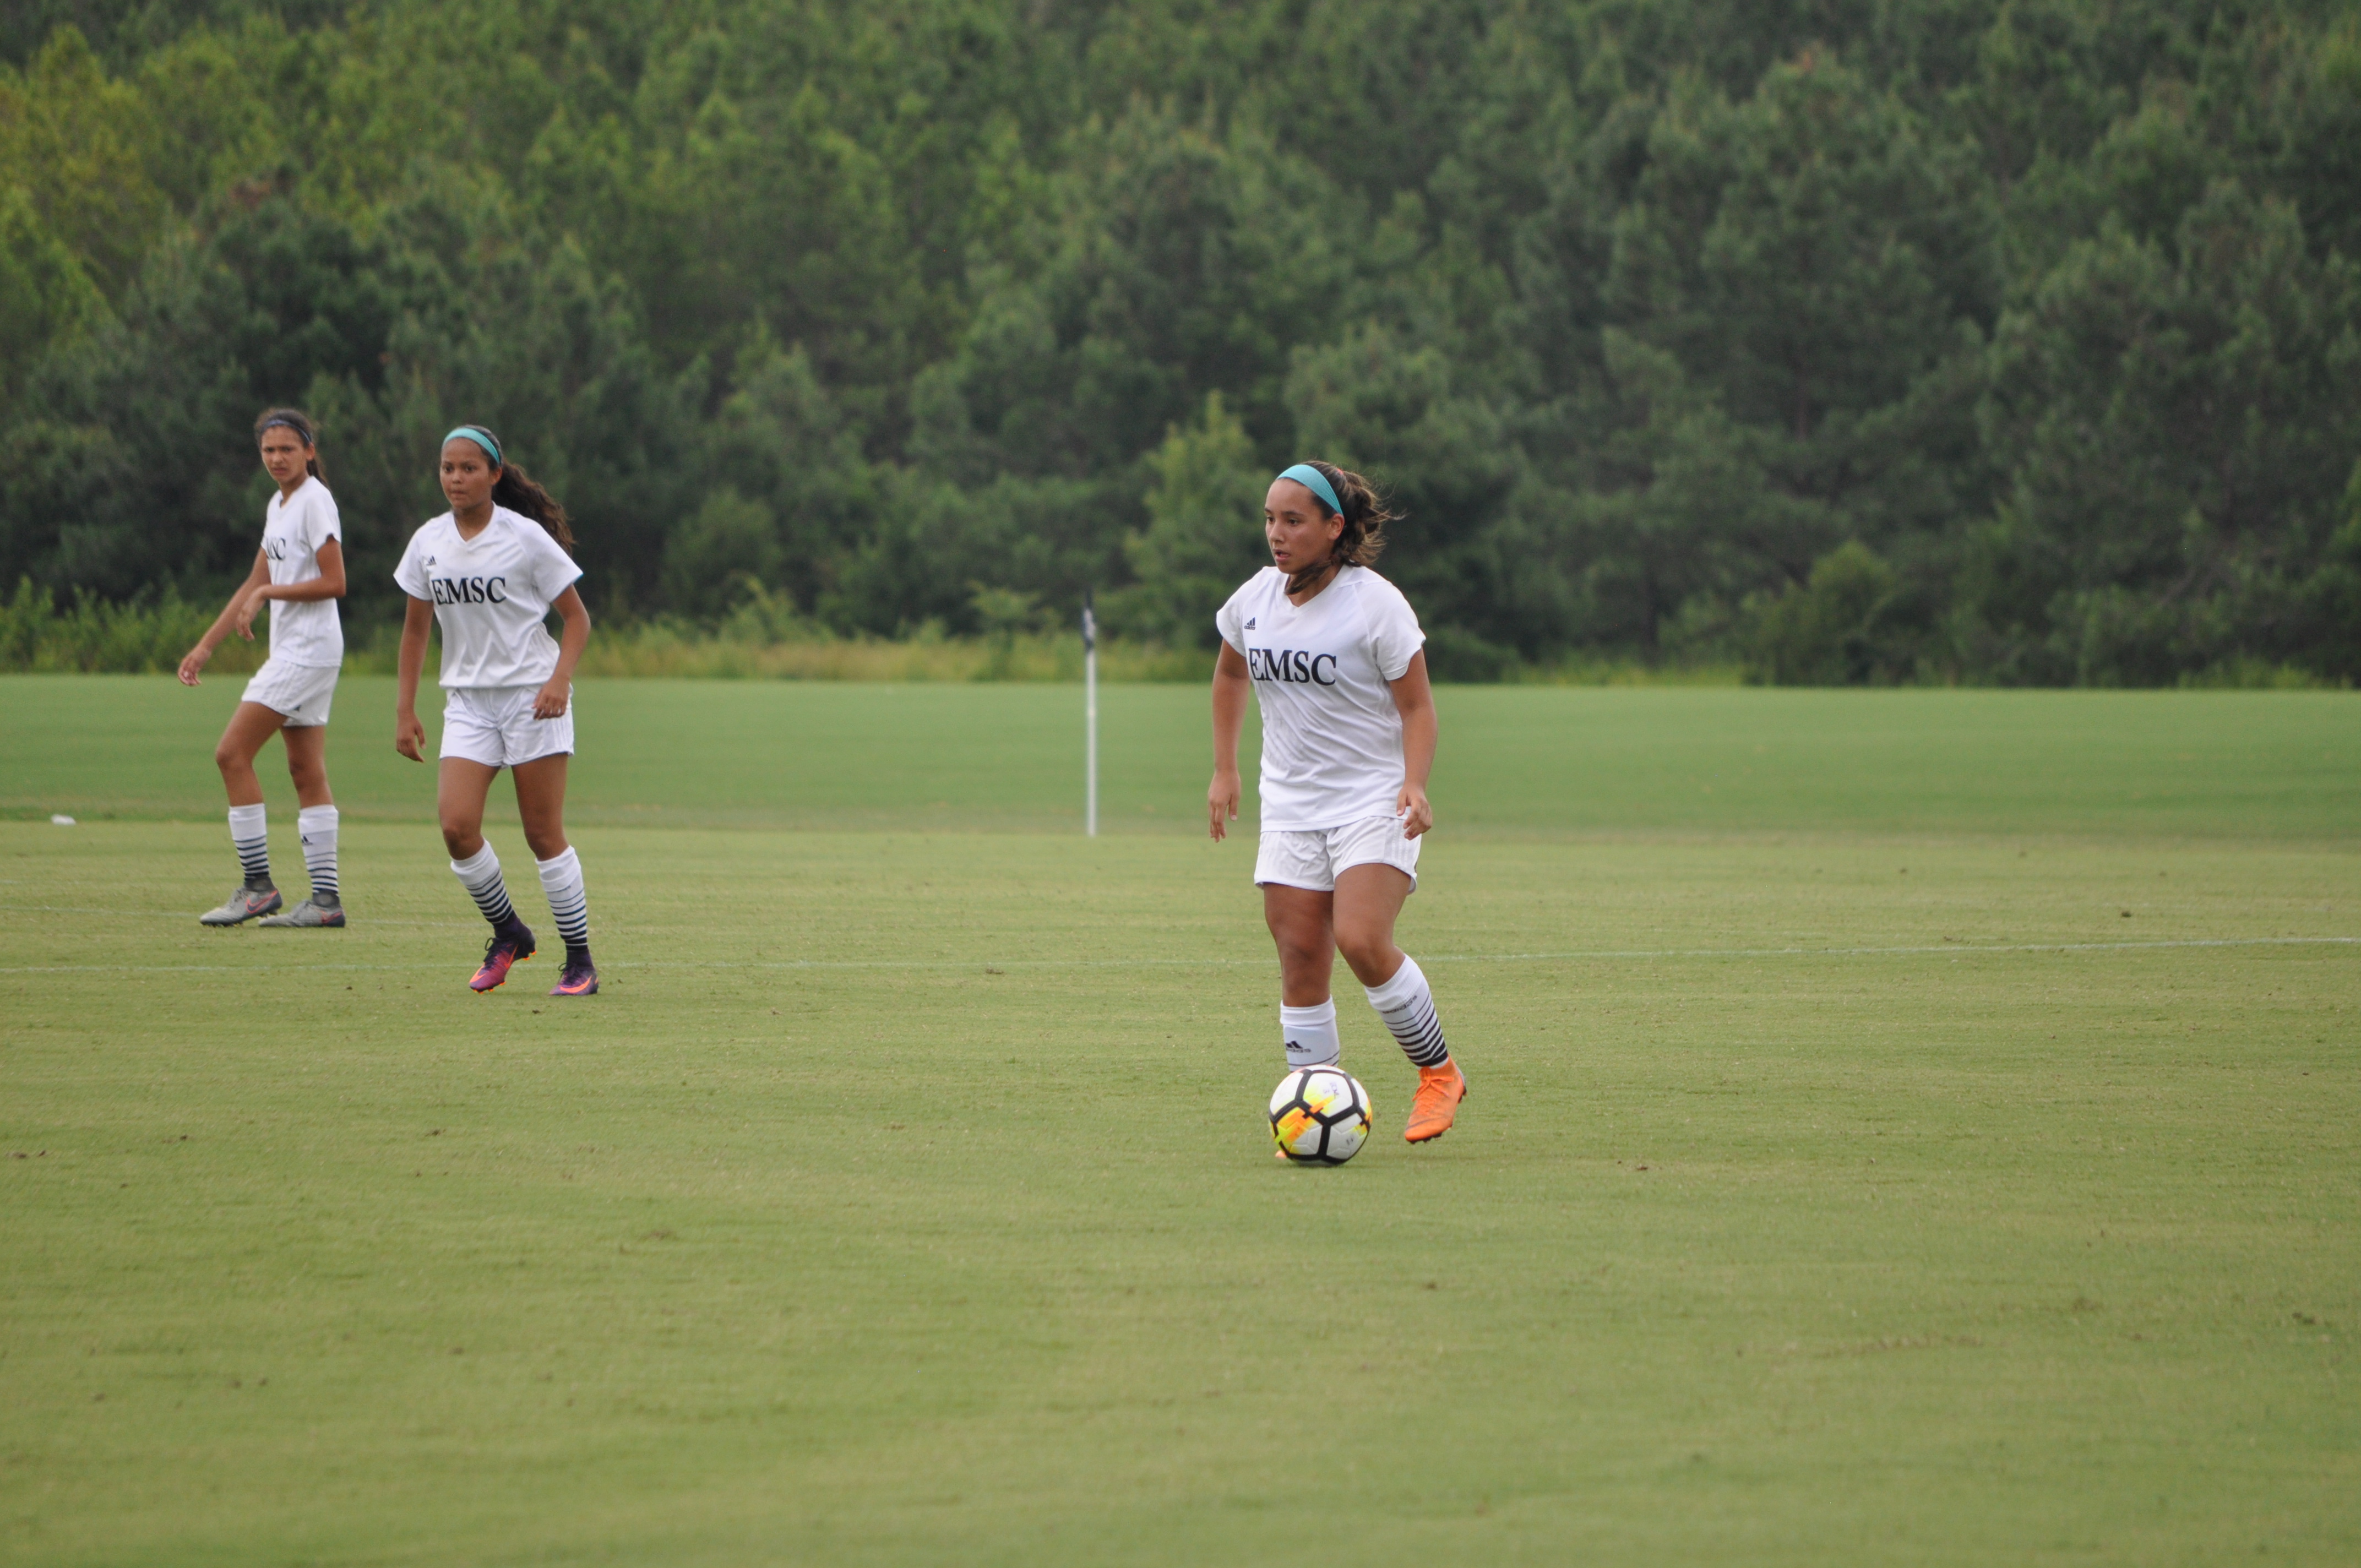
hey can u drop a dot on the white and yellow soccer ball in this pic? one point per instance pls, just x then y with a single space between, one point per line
1320 1115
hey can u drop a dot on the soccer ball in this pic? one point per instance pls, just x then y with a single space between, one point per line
1320 1115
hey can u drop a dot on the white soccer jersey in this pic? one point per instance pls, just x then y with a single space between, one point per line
1332 739
293 529
490 594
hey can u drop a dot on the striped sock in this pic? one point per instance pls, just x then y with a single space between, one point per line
250 833
1408 1008
561 878
1310 1035
316 827
481 876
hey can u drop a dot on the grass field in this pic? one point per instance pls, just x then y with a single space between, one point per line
1915 1128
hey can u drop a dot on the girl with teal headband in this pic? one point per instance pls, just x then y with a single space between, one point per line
489 571
1333 656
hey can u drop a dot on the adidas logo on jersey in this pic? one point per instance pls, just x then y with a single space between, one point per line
1250 619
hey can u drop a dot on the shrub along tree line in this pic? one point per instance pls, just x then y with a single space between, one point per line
1862 340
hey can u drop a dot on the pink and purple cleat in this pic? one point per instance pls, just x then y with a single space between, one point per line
503 953
580 978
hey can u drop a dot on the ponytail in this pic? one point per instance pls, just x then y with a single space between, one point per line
1365 514
297 421
520 491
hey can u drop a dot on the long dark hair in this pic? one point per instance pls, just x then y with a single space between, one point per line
300 422
521 493
1365 515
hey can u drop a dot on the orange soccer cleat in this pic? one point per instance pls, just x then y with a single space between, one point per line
1439 1091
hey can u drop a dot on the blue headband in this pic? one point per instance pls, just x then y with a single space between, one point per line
482 438
1315 481
301 434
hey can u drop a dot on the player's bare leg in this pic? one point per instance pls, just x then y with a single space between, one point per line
1301 929
1368 901
461 789
251 728
1357 920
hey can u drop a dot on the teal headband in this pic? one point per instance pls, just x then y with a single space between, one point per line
482 438
1315 481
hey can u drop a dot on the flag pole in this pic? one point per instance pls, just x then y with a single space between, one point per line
1090 719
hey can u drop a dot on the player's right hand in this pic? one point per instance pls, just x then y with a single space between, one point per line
192 664
247 605
1222 801
410 737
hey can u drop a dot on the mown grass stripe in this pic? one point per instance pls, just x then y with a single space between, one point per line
1954 948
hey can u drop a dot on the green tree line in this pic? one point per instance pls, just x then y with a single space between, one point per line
2008 340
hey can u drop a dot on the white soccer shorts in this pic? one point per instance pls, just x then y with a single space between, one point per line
495 726
1314 860
298 693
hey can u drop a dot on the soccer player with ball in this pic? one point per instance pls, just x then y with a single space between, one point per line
1333 655
488 571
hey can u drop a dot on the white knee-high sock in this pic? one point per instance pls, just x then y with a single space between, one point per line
569 906
316 827
480 874
1408 1007
1310 1035
250 833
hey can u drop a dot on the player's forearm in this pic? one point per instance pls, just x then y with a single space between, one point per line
574 638
405 680
304 593
1418 744
1229 719
218 632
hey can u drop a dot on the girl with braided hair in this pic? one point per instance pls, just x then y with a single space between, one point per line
489 572
1335 657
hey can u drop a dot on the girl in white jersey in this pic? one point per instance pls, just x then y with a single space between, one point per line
1333 653
300 570
489 572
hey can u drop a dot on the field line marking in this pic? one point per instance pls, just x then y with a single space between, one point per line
1954 948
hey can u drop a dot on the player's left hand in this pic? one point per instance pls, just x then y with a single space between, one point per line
553 699
1222 801
1411 809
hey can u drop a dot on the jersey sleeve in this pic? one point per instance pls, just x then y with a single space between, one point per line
1394 634
411 574
554 570
321 523
1229 621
